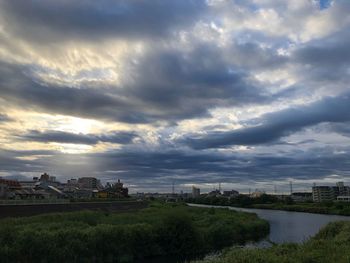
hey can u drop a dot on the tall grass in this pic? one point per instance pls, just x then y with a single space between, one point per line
90 236
330 245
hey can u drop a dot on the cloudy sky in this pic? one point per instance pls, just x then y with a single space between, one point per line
249 93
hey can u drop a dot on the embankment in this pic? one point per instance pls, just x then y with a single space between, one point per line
36 209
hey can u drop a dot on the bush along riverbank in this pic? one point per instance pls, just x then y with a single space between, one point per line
333 208
271 202
173 230
331 244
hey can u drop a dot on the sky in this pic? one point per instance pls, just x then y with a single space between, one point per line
246 93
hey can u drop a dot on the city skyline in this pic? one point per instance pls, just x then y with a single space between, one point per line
249 94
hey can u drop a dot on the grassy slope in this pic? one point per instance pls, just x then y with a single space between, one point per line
331 244
110 237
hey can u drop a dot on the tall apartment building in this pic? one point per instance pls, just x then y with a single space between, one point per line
196 191
329 193
323 194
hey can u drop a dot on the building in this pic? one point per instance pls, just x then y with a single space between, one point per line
257 194
341 190
7 188
72 182
301 196
116 190
30 184
343 198
196 192
28 193
232 193
87 183
4 190
329 193
44 177
323 194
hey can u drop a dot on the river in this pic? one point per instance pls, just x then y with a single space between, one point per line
286 226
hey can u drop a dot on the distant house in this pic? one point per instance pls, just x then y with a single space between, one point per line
7 187
88 183
4 190
116 190
214 193
257 194
11 184
27 193
301 196
232 193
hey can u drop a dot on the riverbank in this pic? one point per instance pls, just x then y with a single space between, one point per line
331 244
315 208
271 202
173 230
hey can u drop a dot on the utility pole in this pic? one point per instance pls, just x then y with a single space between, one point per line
291 187
173 188
275 189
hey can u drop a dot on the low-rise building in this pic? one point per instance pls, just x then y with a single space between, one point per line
301 196
4 191
257 194
232 193
88 183
215 193
116 190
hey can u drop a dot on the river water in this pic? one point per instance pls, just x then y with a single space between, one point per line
286 226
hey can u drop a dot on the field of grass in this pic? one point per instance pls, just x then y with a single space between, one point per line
90 236
331 244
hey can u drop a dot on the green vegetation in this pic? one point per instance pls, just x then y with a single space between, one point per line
239 201
271 202
331 244
333 208
90 236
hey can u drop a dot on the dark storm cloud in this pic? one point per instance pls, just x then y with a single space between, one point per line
61 20
9 162
20 89
325 60
330 53
278 124
167 85
67 137
182 85
341 128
